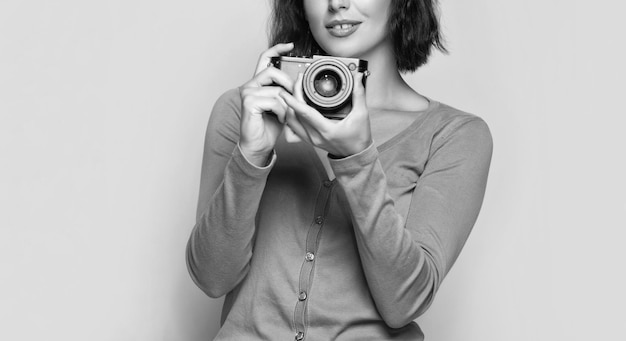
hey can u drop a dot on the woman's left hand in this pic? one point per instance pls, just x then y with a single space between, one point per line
341 138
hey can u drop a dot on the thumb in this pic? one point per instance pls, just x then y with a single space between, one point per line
290 136
358 93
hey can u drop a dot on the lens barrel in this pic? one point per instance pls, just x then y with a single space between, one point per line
328 83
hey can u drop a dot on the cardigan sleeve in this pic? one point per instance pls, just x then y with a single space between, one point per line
405 260
220 246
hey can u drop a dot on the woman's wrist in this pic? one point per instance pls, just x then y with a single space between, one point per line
352 149
257 158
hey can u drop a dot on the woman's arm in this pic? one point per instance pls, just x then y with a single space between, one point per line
405 263
220 245
238 155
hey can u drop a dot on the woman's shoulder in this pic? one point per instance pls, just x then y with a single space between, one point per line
226 113
447 121
230 98
227 108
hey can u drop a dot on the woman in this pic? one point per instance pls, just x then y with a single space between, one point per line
346 231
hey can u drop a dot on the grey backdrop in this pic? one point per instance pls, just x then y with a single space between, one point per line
103 106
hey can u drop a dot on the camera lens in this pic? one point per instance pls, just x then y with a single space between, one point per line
327 83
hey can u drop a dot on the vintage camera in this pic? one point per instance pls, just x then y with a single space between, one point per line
327 81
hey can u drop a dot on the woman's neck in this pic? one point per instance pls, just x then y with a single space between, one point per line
385 87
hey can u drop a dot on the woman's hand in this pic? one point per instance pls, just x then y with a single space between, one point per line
264 111
340 138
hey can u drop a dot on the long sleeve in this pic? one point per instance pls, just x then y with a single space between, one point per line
220 246
405 259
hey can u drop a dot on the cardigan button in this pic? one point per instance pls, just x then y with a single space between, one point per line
310 256
299 336
302 296
319 220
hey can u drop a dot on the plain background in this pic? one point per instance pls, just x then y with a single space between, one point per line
103 107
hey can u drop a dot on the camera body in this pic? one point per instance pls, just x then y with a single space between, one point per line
327 81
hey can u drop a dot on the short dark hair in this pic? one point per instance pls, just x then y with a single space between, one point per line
413 25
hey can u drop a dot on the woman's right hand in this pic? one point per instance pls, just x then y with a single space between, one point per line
264 111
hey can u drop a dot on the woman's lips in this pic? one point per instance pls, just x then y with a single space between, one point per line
342 29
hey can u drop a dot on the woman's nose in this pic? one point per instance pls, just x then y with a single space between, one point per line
336 5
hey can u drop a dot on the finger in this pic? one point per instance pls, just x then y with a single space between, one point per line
296 127
298 90
265 91
305 113
358 113
266 105
290 135
358 93
278 49
274 51
261 99
281 112
272 76
309 115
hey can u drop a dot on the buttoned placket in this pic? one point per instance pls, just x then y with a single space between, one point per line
309 259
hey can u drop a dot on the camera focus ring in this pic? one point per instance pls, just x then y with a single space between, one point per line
328 83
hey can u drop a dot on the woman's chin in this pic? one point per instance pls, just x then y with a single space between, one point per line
342 52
